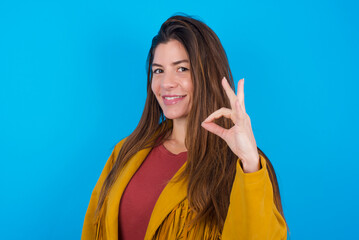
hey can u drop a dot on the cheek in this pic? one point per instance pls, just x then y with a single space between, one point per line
155 86
188 85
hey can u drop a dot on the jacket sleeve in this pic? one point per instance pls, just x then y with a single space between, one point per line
252 213
88 230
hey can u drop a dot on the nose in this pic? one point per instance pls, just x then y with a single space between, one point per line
168 81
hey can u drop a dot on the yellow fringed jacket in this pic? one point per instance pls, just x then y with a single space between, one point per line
252 213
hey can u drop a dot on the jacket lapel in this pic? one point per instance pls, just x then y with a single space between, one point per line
117 190
171 196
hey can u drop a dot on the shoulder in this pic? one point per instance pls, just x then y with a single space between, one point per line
118 147
112 159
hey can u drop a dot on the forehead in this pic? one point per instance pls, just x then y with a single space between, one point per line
170 51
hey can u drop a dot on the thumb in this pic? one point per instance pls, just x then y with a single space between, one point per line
215 129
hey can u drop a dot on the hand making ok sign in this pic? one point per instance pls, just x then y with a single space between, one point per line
239 138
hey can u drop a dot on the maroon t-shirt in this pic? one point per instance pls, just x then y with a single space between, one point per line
142 192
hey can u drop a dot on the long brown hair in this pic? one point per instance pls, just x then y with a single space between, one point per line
211 165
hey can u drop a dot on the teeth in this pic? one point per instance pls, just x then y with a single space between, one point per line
171 98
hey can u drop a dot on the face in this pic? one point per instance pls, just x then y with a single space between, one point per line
171 79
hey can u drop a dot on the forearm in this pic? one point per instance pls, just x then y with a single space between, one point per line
252 213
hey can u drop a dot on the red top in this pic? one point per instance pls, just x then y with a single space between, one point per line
142 192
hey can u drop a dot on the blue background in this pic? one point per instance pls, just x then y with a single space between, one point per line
73 83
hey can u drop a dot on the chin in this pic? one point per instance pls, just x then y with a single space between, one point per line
175 116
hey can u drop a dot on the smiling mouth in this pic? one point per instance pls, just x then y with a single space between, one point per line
172 99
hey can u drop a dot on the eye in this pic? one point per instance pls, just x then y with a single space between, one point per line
157 71
182 69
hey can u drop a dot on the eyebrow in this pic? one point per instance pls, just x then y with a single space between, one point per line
174 63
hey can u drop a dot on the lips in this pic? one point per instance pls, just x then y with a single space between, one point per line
172 99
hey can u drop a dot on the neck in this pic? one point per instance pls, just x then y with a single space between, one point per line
179 131
176 141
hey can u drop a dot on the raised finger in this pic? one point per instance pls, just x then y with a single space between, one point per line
240 93
229 91
240 112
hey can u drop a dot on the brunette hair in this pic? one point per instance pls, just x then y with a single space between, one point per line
211 165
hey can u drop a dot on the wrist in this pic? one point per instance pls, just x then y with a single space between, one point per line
251 165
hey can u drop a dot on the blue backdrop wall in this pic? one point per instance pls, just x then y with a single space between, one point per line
73 83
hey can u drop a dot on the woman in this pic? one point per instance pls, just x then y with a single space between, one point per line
191 169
